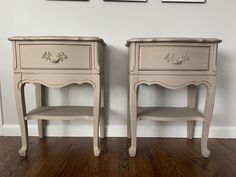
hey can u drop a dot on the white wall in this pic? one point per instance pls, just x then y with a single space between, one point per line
115 23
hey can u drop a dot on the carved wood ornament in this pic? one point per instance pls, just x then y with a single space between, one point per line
59 57
182 58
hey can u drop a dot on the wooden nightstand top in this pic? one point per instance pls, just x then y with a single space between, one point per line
174 39
57 38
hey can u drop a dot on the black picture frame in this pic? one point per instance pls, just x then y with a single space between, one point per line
67 0
125 0
184 1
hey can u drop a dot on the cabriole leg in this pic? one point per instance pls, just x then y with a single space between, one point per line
208 112
21 111
128 117
102 113
96 115
133 117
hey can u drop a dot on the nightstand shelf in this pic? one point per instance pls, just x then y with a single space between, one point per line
61 113
169 114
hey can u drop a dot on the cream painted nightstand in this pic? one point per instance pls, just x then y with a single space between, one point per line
57 62
172 63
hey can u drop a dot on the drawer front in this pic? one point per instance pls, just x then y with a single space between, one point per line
157 57
55 56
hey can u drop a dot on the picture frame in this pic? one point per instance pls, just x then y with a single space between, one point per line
126 0
185 1
67 0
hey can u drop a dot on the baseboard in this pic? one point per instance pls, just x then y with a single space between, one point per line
1 130
120 131
51 130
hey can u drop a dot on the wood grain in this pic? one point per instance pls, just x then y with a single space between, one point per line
73 157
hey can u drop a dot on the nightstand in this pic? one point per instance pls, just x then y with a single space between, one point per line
173 63
57 61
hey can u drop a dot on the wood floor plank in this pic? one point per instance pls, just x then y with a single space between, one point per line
156 157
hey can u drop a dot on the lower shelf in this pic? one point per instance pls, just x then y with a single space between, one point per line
169 114
61 113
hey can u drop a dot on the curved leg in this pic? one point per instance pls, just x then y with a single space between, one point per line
39 93
96 115
20 106
101 123
129 113
192 103
102 115
128 117
208 111
133 116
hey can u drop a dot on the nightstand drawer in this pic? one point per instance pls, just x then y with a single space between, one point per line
171 57
57 56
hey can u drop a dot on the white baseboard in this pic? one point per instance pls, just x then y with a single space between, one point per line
120 131
1 130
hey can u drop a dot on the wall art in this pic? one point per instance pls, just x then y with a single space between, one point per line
126 0
193 1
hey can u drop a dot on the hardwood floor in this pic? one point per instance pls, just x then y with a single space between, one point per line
73 157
